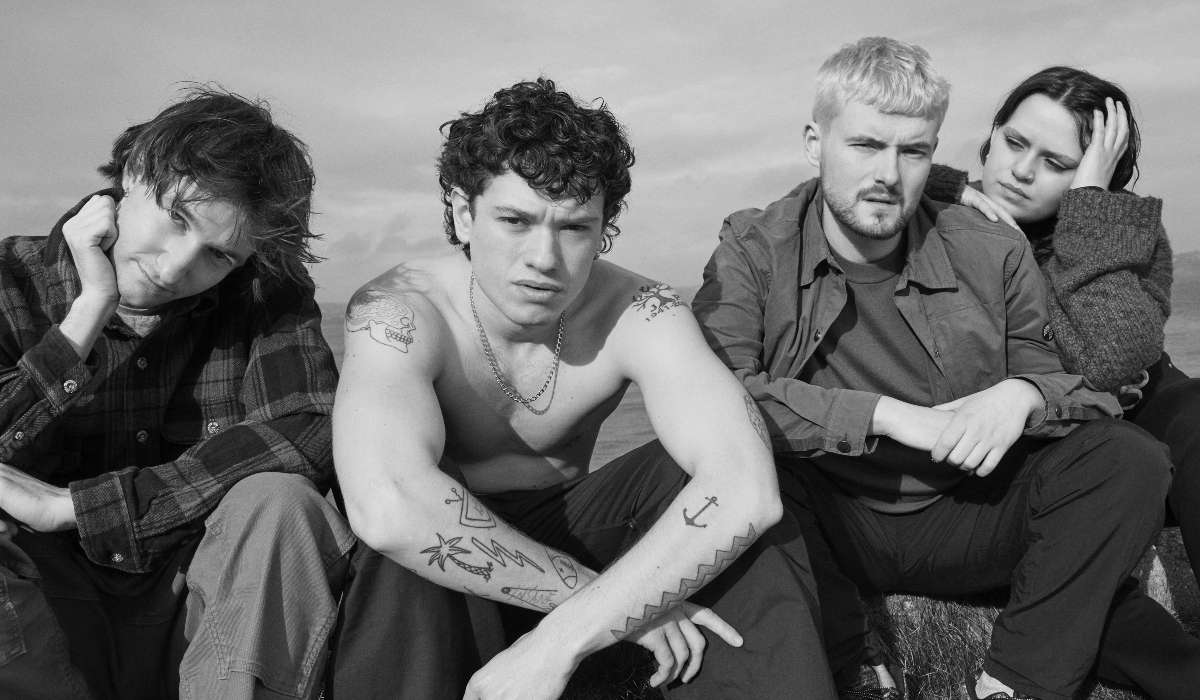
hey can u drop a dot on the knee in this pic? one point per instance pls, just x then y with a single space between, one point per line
274 499
1129 459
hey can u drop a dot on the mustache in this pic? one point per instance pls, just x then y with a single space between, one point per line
881 192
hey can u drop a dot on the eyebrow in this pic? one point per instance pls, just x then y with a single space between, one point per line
1066 160
522 214
872 141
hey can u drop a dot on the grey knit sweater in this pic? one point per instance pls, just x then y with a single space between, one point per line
1107 263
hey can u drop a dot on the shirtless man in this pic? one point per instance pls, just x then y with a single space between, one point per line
499 366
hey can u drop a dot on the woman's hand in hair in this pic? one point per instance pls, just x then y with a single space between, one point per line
975 199
1110 139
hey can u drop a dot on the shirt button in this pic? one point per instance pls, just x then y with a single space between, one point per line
19 436
117 558
843 446
142 436
1047 333
213 427
817 336
70 386
1058 411
141 363
937 353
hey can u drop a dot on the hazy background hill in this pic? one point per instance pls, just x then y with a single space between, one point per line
628 427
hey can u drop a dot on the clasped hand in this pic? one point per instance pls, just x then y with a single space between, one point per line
537 667
972 433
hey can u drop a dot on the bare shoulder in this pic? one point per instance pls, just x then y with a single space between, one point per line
397 309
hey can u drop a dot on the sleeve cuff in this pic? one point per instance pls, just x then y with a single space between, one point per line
57 372
102 519
851 416
945 184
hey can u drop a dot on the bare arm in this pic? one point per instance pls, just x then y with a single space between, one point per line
388 440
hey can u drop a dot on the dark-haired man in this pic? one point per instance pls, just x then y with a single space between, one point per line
499 367
164 425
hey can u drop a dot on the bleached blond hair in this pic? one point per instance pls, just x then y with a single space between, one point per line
889 75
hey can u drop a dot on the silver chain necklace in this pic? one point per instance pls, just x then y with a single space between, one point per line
487 350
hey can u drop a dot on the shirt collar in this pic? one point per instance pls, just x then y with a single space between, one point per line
926 262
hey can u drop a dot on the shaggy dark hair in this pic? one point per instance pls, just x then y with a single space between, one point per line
1079 92
558 145
213 144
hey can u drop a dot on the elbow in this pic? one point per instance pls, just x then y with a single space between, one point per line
378 522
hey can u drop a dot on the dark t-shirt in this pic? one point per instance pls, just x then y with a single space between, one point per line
870 347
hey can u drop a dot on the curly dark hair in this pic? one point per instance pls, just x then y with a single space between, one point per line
1079 92
557 144
214 144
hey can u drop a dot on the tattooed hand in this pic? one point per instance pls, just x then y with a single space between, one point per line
388 320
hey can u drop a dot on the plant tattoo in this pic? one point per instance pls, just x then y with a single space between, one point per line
712 501
472 512
388 320
657 299
498 552
704 574
449 549
756 420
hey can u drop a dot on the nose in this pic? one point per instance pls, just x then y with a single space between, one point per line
543 252
887 167
1022 169
176 260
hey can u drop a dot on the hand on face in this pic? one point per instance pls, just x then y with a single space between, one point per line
1110 140
89 234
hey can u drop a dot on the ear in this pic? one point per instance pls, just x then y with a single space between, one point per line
460 205
127 180
812 144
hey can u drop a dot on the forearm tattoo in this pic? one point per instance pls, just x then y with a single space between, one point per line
565 568
498 552
656 299
537 598
756 420
688 586
449 549
710 501
472 513
387 320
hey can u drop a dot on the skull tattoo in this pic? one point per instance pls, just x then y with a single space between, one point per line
387 319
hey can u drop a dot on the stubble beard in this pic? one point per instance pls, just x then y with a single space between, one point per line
875 228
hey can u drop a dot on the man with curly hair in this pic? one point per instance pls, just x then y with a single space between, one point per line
165 400
472 394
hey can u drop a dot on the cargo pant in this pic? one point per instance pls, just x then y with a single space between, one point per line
243 611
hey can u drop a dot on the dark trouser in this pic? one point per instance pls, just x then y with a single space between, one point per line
1170 411
243 612
767 595
1061 523
402 637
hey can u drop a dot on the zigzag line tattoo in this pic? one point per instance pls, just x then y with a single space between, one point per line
498 552
688 586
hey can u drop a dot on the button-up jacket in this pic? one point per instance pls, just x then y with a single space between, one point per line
970 291
150 433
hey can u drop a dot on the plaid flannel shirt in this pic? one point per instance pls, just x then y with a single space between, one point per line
149 433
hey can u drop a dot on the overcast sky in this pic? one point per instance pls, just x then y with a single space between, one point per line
714 95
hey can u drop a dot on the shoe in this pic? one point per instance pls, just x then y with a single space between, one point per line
867 687
973 678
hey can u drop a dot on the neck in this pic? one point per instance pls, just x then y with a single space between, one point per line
852 246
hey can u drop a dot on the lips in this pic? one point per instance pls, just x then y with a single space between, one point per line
1016 191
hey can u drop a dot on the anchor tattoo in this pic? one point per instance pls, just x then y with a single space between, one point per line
712 501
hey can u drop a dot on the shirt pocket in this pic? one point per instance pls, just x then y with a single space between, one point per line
974 338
